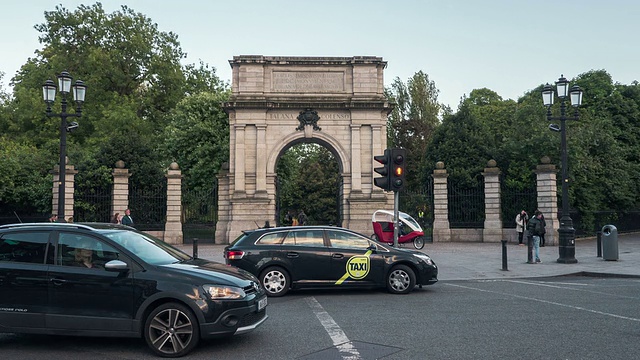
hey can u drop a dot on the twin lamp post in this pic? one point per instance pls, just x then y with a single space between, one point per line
566 232
49 94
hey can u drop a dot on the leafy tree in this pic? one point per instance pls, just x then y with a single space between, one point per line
308 179
198 138
135 79
413 120
25 182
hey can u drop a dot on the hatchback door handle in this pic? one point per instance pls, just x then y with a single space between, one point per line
56 281
292 254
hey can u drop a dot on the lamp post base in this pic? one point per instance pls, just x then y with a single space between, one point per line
567 247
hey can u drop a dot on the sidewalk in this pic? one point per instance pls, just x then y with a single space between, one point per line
475 261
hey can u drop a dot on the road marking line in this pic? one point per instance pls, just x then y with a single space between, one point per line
339 338
548 302
568 288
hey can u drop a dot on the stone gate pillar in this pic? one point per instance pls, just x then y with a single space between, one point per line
546 186
224 205
441 230
173 226
120 191
69 186
492 231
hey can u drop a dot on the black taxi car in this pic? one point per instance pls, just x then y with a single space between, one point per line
324 256
111 280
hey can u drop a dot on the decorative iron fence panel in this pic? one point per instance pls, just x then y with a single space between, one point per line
419 204
199 214
93 204
466 206
513 200
149 207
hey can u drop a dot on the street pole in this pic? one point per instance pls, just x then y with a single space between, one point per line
566 232
396 217
63 161
49 93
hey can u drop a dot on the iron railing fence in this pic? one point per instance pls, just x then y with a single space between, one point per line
466 206
514 199
419 204
148 206
92 204
199 214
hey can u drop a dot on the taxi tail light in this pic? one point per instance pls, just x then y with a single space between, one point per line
234 254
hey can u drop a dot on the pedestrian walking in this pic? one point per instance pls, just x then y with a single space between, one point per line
521 224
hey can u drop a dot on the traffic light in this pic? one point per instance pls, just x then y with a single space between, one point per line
397 180
384 181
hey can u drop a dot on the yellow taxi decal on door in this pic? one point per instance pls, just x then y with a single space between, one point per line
357 267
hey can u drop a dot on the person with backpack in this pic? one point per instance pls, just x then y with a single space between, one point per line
536 229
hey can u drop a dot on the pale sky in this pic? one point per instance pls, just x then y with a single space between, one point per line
508 46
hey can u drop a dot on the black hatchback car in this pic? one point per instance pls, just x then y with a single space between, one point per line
325 256
111 280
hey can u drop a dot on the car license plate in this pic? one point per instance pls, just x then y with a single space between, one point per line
262 304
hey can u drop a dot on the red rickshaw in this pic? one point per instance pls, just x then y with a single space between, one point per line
410 230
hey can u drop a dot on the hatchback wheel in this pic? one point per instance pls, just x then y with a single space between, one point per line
401 280
275 280
171 330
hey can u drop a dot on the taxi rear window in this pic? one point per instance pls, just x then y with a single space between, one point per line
272 239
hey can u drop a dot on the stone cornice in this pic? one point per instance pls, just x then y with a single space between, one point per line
271 105
303 60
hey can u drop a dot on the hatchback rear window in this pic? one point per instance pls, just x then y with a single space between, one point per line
26 247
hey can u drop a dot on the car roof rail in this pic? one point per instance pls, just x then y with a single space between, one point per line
19 225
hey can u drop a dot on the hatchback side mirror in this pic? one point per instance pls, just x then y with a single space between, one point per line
117 266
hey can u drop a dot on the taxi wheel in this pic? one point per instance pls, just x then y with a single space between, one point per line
418 242
275 280
171 330
401 280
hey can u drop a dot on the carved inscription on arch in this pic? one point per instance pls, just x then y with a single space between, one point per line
308 81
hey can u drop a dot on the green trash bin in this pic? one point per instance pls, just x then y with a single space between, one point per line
609 242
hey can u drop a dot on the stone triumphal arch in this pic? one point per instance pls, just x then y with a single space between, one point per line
337 102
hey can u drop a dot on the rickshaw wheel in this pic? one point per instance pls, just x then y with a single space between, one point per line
418 242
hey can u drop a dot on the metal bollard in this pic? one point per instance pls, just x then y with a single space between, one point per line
504 255
195 248
599 243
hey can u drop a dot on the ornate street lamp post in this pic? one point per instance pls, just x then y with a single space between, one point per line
49 95
566 232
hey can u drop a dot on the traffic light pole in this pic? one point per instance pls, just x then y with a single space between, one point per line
396 217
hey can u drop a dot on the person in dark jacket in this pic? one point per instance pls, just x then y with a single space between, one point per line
536 228
127 219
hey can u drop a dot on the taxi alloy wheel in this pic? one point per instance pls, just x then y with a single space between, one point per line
171 330
401 280
275 281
